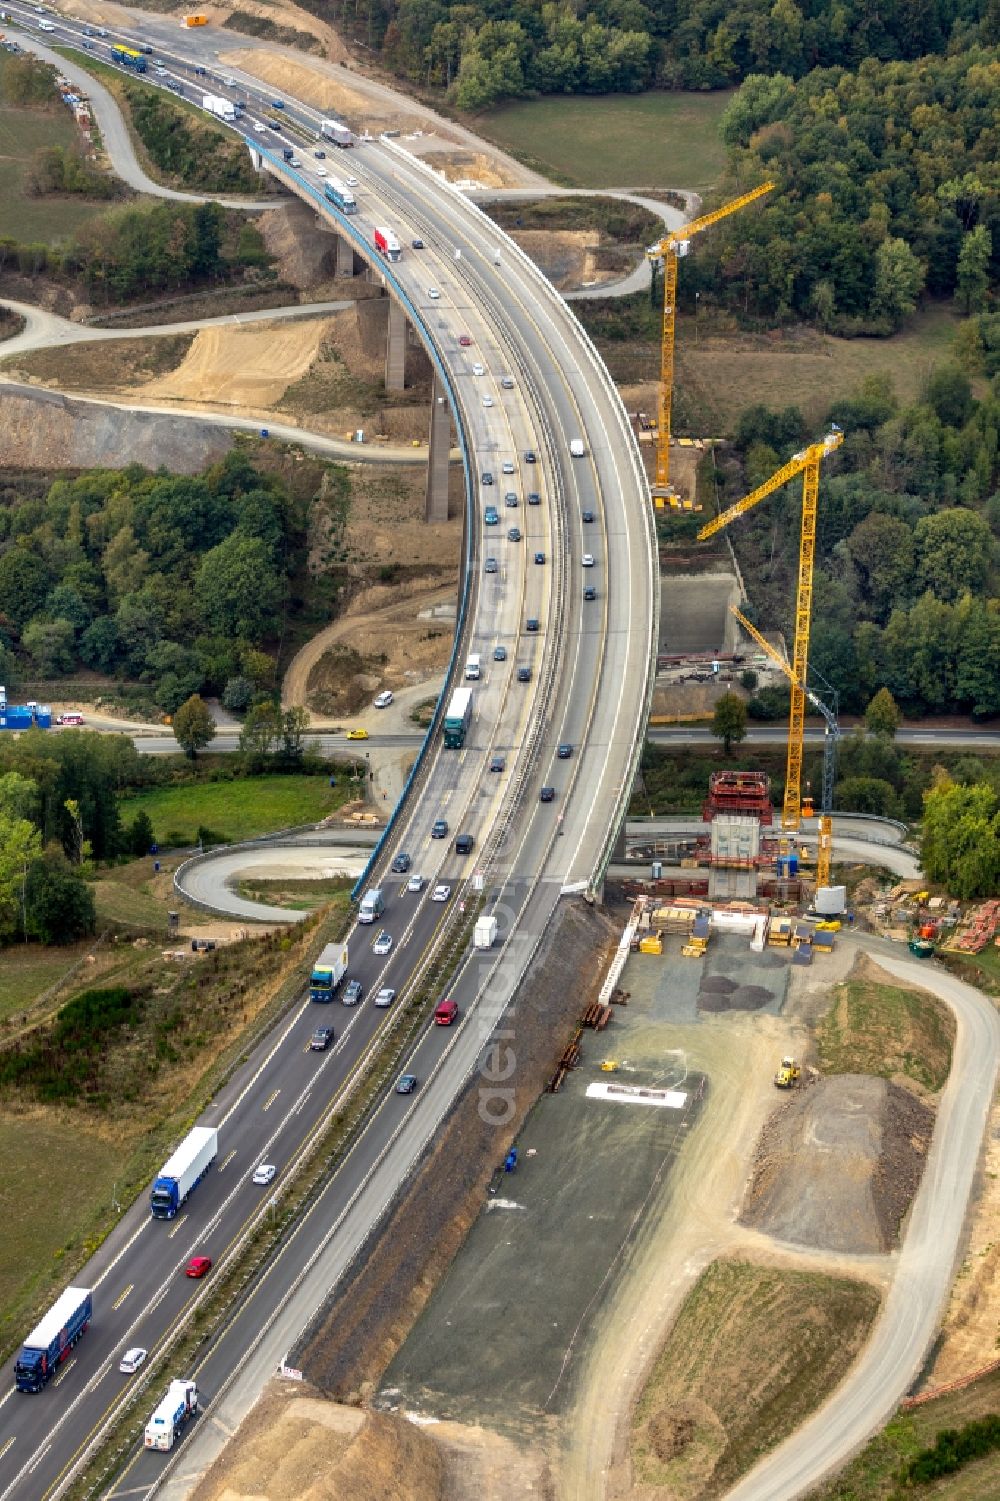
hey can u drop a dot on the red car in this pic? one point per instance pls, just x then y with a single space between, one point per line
464 340
446 1013
198 1266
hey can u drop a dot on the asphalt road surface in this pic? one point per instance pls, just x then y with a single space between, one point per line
590 663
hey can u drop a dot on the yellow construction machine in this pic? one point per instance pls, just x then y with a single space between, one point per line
788 1074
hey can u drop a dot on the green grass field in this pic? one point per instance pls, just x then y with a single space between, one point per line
28 970
237 810
653 140
45 220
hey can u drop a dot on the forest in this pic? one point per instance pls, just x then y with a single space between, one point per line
485 51
907 589
174 581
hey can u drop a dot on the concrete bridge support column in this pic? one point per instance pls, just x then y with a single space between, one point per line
395 348
345 257
439 455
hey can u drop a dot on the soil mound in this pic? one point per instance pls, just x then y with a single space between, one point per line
297 1447
838 1164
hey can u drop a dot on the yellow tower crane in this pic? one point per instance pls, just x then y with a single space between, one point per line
667 252
807 464
824 842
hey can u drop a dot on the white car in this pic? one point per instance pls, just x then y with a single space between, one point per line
258 124
322 172
352 182
265 1173
385 997
415 883
479 369
382 944
384 699
132 1360
433 293
487 401
508 466
441 893
588 560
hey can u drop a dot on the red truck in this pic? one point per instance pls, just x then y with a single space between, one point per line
387 245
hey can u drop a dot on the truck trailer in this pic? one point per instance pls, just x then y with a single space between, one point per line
49 1343
327 972
183 1171
387 244
222 109
333 130
180 1404
458 718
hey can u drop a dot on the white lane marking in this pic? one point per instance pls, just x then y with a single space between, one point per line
180 1222
122 1296
63 1374
7 1445
226 1161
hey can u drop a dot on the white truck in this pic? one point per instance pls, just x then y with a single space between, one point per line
223 109
372 905
181 1172
333 130
180 1404
484 935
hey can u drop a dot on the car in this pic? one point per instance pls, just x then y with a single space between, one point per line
487 477
530 456
353 991
524 674
498 763
547 795
415 883
132 1360
510 499
258 124
539 557
587 517
534 499
507 381
445 1013
491 566
406 1083
264 1174
417 244
487 401
491 516
357 734
478 369
440 893
70 717
439 829
433 293
321 172
352 182
382 944
590 593
321 1039
198 1266
463 844
385 997
531 625
587 560
277 103
384 699
565 751
293 161
465 341
514 535
320 155
230 83
401 863
499 654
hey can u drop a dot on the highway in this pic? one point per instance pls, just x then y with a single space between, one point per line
590 677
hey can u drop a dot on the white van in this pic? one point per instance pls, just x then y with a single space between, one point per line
473 667
576 448
46 26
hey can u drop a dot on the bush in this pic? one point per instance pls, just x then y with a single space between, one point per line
62 1063
58 903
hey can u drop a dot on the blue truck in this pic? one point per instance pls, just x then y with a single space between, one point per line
183 1171
29 716
49 1343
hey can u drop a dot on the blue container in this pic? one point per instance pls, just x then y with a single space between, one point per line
43 718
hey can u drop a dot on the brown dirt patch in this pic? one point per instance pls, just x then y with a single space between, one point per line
319 86
463 166
281 13
103 367
837 1165
569 257
297 1446
241 367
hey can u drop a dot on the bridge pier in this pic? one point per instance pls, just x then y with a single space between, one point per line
345 257
395 349
439 454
